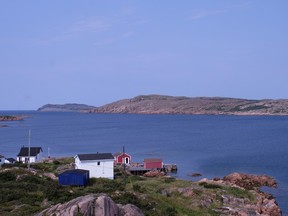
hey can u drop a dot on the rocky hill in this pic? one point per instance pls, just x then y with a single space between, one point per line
71 107
159 104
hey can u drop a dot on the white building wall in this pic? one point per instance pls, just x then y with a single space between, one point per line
2 160
22 159
97 168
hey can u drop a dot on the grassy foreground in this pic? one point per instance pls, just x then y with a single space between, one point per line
24 192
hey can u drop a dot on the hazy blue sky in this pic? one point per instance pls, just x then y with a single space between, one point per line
95 52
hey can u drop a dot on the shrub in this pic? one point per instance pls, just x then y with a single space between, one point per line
56 162
209 186
7 176
137 187
169 180
170 211
238 192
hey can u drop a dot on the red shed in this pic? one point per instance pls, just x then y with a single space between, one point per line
122 158
153 163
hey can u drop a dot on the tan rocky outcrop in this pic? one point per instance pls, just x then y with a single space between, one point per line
90 205
154 173
265 204
249 181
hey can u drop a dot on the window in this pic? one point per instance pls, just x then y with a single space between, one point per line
98 163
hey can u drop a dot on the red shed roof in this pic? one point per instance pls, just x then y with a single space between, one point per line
152 160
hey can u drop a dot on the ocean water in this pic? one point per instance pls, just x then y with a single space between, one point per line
211 145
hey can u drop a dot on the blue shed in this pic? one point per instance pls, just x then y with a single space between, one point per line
76 177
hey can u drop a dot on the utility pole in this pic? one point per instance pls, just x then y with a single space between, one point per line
29 143
124 163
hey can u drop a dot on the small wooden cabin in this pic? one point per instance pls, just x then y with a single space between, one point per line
153 163
77 177
122 158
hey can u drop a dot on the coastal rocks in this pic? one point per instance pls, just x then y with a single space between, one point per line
195 174
249 181
265 204
241 206
251 202
92 204
170 167
154 173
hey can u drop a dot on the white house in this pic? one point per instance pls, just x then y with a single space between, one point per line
2 159
9 160
100 165
35 154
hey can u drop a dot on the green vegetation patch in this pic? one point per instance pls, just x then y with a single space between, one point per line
23 192
240 193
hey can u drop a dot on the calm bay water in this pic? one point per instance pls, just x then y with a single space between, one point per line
211 145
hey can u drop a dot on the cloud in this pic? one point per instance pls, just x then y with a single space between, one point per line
77 28
128 34
143 21
105 42
90 25
203 14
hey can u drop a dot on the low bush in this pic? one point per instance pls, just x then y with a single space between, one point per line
210 186
7 176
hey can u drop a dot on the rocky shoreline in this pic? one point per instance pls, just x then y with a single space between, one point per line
264 204
261 203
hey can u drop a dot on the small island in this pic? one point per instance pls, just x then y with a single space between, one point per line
10 118
70 107
4 118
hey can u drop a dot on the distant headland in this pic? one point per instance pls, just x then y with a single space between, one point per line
70 107
161 104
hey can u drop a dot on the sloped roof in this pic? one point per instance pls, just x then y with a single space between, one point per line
11 160
97 156
152 160
121 153
75 171
1 156
24 151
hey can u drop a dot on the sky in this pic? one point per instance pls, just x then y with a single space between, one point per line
96 52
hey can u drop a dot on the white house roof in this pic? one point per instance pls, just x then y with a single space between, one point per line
97 156
24 151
